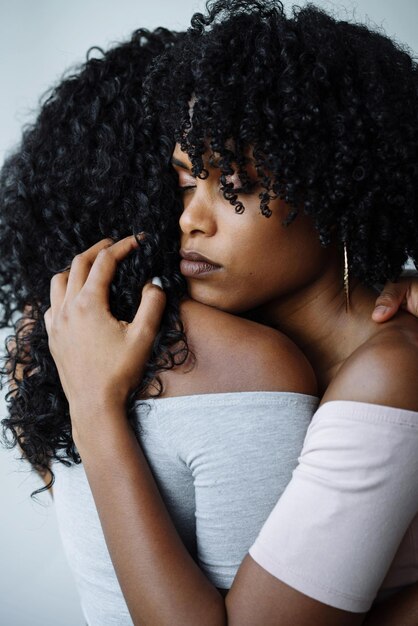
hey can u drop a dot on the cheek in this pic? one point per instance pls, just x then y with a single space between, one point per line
246 282
251 256
264 260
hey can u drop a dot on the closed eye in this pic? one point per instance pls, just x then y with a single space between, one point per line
186 188
238 190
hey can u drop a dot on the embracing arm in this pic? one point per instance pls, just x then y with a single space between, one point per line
164 585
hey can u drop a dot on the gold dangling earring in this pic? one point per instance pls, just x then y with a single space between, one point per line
346 280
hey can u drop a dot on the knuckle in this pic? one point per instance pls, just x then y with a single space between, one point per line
83 302
105 254
79 259
63 316
147 331
386 297
154 294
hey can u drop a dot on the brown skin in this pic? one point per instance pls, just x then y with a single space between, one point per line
252 268
403 293
401 609
165 586
235 354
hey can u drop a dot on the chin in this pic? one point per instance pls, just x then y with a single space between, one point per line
218 301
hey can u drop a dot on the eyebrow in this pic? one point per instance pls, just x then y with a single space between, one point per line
178 163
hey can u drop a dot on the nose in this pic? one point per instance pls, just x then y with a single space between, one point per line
198 215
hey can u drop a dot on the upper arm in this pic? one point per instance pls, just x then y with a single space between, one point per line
259 599
384 372
233 354
335 531
333 534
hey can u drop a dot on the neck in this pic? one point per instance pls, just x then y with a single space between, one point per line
316 319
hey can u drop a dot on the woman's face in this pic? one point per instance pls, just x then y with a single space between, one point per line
238 262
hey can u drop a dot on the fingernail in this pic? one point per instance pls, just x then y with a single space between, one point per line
381 309
157 282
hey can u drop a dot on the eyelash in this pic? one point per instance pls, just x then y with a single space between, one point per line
237 190
183 189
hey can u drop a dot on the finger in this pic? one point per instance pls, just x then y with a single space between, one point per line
104 267
48 320
390 300
58 288
81 266
147 321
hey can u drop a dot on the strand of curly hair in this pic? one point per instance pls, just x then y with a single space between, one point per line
92 165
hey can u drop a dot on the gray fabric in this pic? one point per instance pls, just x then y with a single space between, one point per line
221 462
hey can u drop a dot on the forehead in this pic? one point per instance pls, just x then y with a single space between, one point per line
179 153
212 157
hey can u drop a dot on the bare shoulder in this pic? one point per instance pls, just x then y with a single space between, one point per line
235 354
384 370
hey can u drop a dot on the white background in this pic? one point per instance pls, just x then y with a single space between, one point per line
39 40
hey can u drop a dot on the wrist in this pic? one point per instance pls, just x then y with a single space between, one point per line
93 422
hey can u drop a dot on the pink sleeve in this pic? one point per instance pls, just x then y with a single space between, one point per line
336 529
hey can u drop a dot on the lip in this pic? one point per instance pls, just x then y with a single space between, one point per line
191 255
194 264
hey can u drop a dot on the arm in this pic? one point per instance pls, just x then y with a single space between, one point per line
400 609
164 586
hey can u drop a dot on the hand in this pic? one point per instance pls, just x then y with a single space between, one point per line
100 359
402 294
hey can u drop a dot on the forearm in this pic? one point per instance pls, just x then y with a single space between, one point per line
401 609
159 579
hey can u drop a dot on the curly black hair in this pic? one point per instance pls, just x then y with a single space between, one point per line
329 108
92 165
